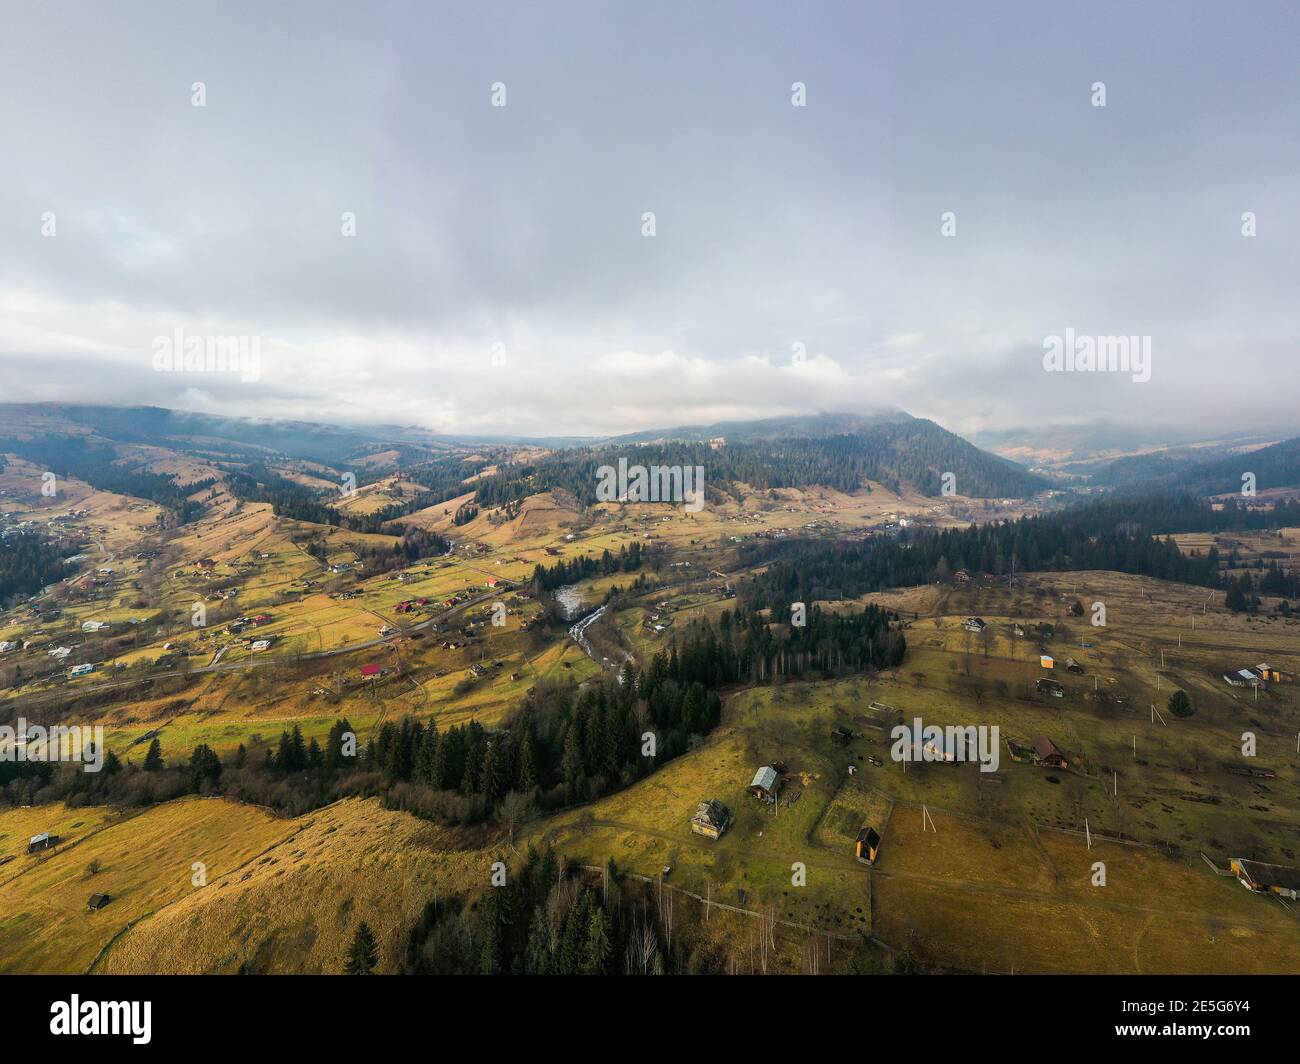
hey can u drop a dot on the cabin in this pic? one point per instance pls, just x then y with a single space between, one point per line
867 845
1241 678
1046 755
1048 686
1073 666
711 819
368 671
206 564
961 576
1267 878
261 619
98 901
43 841
766 784
974 624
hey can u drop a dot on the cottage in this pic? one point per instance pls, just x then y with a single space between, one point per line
372 670
1267 878
867 845
1049 687
98 901
766 784
711 819
1073 666
974 624
1046 755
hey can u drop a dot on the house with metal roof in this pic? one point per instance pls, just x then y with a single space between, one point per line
766 784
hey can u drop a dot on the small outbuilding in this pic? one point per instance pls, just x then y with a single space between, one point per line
98 901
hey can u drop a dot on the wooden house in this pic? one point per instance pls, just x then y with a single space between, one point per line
98 901
1046 755
867 845
711 819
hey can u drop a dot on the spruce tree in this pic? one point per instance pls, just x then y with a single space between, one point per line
364 954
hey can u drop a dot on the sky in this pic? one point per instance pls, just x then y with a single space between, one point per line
945 198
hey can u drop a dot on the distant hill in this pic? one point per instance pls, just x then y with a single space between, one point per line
833 450
842 451
811 426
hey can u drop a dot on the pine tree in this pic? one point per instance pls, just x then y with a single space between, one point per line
153 759
364 954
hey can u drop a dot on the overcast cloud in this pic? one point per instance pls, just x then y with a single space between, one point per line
499 279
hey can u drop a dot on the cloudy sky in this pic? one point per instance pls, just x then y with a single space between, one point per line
499 278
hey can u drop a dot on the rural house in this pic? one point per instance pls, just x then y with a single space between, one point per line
766 784
974 624
867 845
1049 687
711 819
98 901
1046 755
1267 878
1241 678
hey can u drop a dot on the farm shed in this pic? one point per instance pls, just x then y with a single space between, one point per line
766 784
1050 687
98 901
867 845
1267 878
711 819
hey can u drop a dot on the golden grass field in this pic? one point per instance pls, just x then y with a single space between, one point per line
281 895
